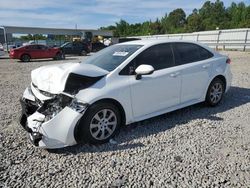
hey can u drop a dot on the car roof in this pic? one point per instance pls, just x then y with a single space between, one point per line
35 45
155 41
150 42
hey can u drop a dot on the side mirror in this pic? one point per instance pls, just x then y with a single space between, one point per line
143 70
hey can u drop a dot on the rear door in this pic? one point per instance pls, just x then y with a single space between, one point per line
160 90
194 63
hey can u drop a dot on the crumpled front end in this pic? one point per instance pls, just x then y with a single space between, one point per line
50 122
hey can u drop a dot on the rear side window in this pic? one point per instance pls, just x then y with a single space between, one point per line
42 47
32 47
205 53
188 53
159 56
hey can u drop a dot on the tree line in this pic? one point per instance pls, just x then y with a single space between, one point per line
211 16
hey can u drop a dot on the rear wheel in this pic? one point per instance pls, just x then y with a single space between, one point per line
100 123
25 58
59 56
215 92
63 55
83 53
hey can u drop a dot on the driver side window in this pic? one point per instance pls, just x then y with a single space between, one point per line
158 56
69 45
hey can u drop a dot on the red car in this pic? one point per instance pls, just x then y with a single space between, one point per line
35 51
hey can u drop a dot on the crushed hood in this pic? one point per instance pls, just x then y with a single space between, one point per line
52 78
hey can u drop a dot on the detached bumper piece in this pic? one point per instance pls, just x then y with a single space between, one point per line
35 137
28 108
23 122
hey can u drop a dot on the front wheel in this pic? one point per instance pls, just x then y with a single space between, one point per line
25 58
83 53
215 92
100 123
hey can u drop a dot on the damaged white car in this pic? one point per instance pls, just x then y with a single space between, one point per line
83 102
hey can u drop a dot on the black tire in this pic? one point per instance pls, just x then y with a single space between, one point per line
25 58
58 56
84 132
83 53
213 98
63 56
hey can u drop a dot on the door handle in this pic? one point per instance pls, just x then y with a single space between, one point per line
175 74
205 66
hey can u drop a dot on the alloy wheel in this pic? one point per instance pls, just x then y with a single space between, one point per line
103 124
26 58
216 92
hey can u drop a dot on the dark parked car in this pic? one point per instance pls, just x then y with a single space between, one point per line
35 51
97 46
76 48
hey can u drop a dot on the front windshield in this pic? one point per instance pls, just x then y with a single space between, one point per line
112 57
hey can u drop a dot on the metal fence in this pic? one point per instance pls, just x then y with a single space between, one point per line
238 39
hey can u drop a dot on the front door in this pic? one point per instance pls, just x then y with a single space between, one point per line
68 48
160 90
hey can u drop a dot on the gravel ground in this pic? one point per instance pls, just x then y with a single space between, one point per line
196 146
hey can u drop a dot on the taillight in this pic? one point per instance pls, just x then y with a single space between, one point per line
228 61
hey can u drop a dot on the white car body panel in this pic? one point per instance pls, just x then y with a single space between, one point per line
163 91
109 87
38 94
167 85
192 88
60 130
52 78
56 132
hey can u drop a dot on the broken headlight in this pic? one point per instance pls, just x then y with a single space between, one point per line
47 94
53 106
78 105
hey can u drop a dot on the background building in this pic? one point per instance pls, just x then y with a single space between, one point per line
54 36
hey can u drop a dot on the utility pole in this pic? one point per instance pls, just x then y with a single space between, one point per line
6 39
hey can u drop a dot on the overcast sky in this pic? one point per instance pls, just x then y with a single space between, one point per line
89 13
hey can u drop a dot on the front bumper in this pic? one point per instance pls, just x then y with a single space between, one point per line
57 132
13 56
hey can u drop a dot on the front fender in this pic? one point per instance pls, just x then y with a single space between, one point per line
117 90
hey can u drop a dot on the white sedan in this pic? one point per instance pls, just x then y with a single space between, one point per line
88 102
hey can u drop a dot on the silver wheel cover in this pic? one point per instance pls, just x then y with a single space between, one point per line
216 92
103 124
